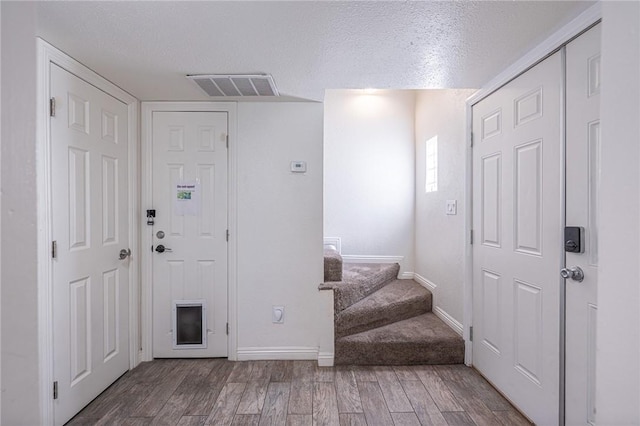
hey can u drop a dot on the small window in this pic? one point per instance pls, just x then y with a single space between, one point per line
431 181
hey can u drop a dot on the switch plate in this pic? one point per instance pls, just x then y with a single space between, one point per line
299 166
277 315
452 207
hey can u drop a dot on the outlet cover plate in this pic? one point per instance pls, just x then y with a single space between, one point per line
298 166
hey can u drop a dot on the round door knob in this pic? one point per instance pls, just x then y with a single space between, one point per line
574 273
124 253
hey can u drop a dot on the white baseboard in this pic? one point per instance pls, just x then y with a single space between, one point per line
424 282
406 276
448 319
325 359
437 310
278 353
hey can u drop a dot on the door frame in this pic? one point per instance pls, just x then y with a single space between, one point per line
146 234
47 55
553 43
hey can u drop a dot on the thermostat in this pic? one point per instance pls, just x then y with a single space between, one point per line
298 166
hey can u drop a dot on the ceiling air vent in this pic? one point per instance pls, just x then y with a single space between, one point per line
236 84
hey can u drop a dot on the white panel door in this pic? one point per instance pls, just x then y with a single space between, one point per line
517 239
583 181
189 148
89 157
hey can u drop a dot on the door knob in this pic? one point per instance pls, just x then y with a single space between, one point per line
161 249
124 253
574 273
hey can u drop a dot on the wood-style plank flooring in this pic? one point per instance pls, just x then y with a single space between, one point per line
220 392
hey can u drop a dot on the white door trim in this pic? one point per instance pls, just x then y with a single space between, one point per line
48 54
558 39
146 235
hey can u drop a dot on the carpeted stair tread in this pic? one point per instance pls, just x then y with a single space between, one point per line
360 280
396 301
423 339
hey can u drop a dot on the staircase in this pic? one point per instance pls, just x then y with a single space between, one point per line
380 320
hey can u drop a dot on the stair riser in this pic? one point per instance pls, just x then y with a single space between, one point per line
351 324
399 354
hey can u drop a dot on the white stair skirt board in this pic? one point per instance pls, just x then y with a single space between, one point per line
351 258
448 319
280 353
425 283
454 324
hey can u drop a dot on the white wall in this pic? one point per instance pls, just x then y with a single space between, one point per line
618 356
280 229
369 173
19 368
439 241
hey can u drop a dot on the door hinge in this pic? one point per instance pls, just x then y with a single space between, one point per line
227 329
471 237
471 334
54 249
52 107
227 141
55 390
227 235
471 139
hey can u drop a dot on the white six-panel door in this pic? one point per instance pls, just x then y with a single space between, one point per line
89 157
190 147
583 181
517 244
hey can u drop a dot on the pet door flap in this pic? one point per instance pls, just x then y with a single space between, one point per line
189 324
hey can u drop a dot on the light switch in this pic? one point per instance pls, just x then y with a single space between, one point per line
452 207
298 166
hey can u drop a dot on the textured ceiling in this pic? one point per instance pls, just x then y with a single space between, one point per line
308 46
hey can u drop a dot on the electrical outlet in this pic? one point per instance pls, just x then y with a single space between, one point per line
298 166
277 315
452 207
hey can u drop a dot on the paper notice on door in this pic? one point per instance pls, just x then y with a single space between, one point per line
187 199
